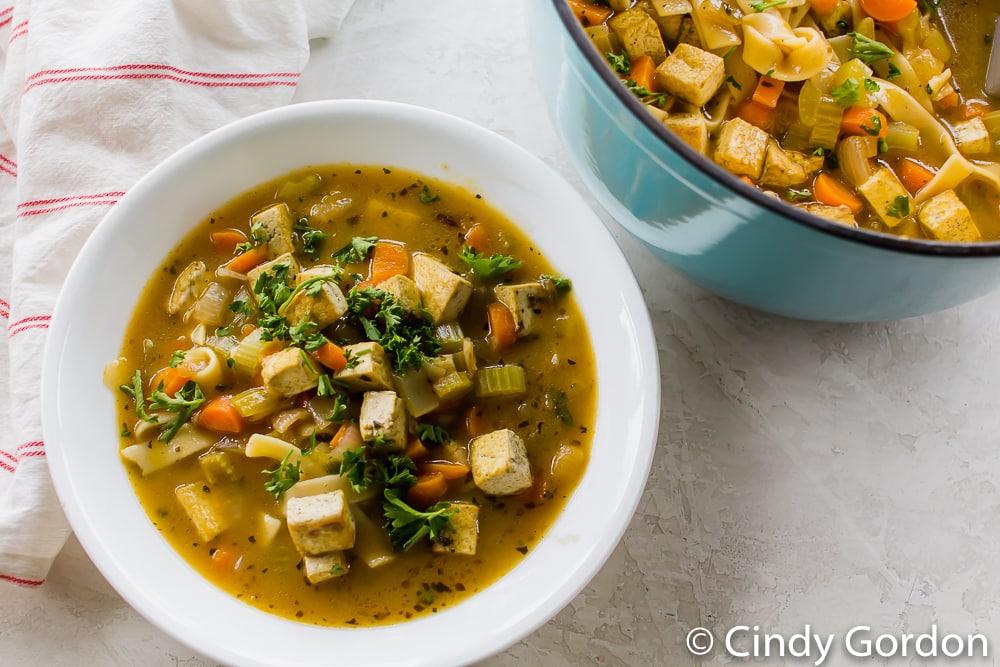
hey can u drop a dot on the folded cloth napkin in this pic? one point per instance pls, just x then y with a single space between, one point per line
92 95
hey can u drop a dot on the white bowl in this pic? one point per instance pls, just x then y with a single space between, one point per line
103 286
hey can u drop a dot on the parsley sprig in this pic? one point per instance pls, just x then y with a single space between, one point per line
488 267
183 403
407 525
406 338
868 50
355 251
312 238
283 477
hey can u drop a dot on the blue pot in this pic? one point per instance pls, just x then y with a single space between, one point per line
715 230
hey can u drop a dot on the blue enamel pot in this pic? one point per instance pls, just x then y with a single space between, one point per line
715 230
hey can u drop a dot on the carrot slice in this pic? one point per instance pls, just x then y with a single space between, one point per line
864 121
768 91
589 14
949 101
226 240
501 323
756 113
828 190
913 175
172 378
450 470
478 238
332 356
427 490
388 259
888 11
245 261
221 416
643 73
415 450
225 559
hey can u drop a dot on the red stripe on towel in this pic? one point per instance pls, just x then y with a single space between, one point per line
20 30
164 67
4 309
22 582
34 322
212 83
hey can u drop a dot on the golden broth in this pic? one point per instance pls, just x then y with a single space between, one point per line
427 216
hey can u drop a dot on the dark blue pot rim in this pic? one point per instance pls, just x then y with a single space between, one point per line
717 173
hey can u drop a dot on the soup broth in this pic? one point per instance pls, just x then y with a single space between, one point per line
259 452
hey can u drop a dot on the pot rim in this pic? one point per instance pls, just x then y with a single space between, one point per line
731 182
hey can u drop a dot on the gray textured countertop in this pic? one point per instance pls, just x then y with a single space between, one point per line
806 474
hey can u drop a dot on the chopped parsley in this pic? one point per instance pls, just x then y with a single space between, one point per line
407 525
354 466
283 477
868 50
871 85
847 94
900 207
355 251
176 358
257 238
557 401
488 267
312 238
561 284
893 72
134 391
184 402
875 128
432 433
731 80
406 338
791 194
620 64
760 5
427 197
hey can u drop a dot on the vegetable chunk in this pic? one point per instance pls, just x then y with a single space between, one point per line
320 523
691 74
500 464
208 514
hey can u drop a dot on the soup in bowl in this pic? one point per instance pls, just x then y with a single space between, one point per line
246 436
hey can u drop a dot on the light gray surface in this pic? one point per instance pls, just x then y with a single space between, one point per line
814 474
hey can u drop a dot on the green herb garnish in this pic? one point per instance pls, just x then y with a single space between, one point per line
868 50
432 433
312 238
488 267
847 94
557 401
283 477
900 207
407 525
760 5
355 251
620 64
184 402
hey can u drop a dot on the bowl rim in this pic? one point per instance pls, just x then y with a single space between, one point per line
715 172
593 551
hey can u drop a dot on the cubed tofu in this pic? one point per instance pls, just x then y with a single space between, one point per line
786 168
367 368
946 217
972 137
500 464
443 292
320 523
840 214
383 420
463 535
289 372
276 225
208 512
639 35
323 308
285 264
690 128
403 290
742 148
324 567
691 74
887 197
525 302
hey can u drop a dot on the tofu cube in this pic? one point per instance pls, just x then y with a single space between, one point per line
500 464
367 367
383 420
692 74
786 168
840 214
276 225
525 302
691 128
972 137
324 567
323 308
285 263
320 523
443 292
742 148
639 35
209 513
887 197
289 372
946 217
403 290
463 535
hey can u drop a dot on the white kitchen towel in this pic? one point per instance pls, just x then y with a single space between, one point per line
94 93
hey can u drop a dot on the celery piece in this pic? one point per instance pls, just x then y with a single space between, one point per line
218 467
256 403
451 336
826 128
902 136
500 382
452 386
295 191
246 353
